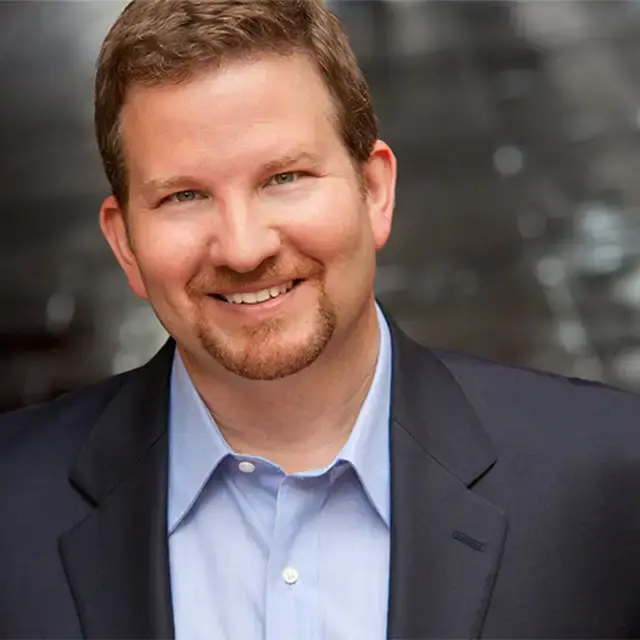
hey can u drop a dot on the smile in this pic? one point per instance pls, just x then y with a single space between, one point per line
256 297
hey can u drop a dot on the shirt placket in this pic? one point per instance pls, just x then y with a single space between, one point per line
291 602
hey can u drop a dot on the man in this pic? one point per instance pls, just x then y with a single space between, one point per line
291 465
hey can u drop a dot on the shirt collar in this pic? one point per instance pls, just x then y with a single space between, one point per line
196 446
367 449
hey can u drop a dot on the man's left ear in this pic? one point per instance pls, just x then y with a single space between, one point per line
380 181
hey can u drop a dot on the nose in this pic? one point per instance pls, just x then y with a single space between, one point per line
244 240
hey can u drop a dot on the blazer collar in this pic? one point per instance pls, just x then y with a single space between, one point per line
429 405
446 541
131 424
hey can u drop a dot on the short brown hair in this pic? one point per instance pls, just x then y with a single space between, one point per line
156 42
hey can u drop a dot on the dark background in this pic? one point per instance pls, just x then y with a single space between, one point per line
517 129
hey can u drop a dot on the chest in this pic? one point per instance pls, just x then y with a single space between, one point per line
303 558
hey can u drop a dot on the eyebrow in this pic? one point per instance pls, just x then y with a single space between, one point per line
286 161
154 185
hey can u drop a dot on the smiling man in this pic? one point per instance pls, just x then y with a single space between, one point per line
249 225
291 465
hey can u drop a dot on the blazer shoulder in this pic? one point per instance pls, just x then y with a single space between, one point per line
467 368
58 420
527 401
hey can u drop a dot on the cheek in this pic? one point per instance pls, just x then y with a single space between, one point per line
333 228
167 255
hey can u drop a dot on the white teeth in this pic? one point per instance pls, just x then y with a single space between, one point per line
258 296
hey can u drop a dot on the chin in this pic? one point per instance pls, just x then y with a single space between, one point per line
269 353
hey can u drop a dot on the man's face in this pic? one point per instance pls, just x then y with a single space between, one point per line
247 227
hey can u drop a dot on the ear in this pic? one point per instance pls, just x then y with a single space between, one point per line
114 228
380 181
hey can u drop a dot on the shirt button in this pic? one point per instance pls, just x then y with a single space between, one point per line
290 575
247 467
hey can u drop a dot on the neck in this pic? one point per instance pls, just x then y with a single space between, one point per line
300 422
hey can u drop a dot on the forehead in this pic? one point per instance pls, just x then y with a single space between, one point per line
261 105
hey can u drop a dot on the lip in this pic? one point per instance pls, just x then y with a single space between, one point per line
255 288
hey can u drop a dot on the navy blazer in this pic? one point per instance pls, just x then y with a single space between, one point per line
515 506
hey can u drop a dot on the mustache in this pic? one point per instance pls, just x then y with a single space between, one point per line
225 278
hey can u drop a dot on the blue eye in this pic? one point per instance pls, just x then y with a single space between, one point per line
184 196
285 178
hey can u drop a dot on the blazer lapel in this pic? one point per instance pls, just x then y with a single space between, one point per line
446 541
116 559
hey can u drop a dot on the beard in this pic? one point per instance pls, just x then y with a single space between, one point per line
275 348
267 352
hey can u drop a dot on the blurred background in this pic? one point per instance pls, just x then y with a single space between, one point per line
517 229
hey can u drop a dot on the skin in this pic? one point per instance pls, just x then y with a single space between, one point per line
238 180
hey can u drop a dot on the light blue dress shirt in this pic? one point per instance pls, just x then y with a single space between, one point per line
256 554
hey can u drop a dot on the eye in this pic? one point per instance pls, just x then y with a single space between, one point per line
287 177
184 196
